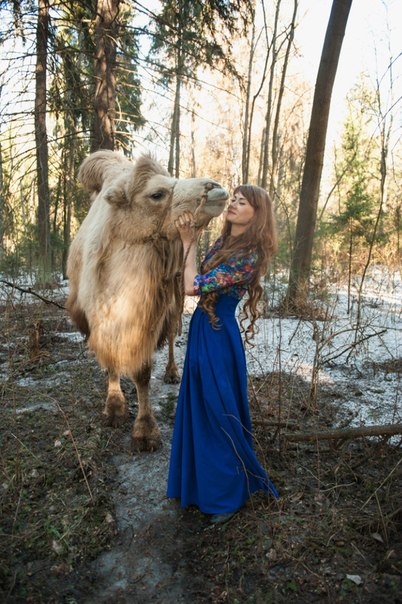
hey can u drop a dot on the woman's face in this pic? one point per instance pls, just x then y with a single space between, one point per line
240 212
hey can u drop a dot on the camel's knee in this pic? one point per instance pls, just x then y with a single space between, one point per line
143 376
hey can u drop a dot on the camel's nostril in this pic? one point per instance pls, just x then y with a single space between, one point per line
209 186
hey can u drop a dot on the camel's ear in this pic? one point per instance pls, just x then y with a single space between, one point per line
116 196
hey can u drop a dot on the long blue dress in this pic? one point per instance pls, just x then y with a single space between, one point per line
213 464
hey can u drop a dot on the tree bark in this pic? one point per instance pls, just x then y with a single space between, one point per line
306 220
2 206
106 32
67 204
177 132
42 158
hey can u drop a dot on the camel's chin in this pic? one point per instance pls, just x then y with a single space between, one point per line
214 210
218 196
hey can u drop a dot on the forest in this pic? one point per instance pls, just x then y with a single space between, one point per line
247 91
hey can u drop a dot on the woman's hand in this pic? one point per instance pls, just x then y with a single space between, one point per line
185 225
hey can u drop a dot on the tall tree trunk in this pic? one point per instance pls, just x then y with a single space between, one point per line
246 132
177 133
174 149
255 97
301 262
2 206
268 114
262 144
193 156
42 159
172 144
67 203
275 130
106 33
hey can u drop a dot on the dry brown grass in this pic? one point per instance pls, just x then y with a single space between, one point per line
337 523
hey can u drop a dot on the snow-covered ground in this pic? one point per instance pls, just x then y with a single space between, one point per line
346 350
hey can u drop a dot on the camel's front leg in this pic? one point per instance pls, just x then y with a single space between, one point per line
116 408
145 435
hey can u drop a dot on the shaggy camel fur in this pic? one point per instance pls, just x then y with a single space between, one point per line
124 270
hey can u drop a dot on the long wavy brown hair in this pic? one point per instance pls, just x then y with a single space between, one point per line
259 237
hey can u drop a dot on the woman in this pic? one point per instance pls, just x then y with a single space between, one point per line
212 464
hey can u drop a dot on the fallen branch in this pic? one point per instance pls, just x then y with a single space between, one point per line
276 424
32 292
342 434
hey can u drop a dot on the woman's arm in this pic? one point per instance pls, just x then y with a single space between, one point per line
184 225
236 271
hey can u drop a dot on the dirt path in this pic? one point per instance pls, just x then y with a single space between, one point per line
149 562
152 559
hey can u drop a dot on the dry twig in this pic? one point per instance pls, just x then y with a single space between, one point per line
32 292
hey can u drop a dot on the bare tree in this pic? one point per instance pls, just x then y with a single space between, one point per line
276 63
274 50
2 204
42 156
190 35
174 148
246 123
275 130
301 262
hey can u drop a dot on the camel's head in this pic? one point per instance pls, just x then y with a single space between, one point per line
203 197
146 200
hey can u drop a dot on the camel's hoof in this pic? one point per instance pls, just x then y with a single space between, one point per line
116 411
141 444
171 377
146 435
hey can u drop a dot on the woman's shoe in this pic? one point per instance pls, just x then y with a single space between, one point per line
221 518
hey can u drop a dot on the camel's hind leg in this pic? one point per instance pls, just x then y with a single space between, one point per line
116 408
145 435
171 373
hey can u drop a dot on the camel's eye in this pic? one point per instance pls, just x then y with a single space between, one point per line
157 196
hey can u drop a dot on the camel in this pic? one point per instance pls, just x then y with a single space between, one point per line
124 270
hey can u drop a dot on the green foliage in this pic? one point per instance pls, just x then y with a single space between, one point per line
191 34
71 85
350 227
23 256
356 217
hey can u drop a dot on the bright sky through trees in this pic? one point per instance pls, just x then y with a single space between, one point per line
373 36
